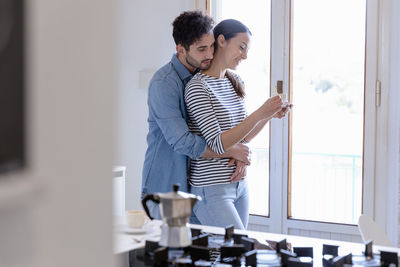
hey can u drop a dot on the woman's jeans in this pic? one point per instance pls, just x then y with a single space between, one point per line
223 204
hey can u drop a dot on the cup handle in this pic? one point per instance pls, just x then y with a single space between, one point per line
154 198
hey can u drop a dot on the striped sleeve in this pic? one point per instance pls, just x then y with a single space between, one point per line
202 114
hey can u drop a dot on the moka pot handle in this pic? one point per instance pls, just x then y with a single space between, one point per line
152 197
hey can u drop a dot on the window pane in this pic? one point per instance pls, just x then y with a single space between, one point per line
328 49
255 72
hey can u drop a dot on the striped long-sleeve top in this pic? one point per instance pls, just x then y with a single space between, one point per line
213 107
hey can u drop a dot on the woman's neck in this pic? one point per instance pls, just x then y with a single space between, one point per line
217 68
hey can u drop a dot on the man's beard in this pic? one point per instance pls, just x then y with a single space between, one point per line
193 63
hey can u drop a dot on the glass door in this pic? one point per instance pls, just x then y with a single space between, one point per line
327 133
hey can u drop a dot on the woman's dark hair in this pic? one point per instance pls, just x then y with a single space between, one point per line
229 28
237 85
190 26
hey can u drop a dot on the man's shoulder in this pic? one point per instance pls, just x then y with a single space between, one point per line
166 74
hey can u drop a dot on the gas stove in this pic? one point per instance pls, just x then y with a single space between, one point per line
231 249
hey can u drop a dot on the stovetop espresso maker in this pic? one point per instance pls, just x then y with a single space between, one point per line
175 208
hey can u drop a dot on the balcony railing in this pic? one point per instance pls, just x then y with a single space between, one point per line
325 187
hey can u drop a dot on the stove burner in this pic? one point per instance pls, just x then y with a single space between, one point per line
233 249
229 232
389 258
201 240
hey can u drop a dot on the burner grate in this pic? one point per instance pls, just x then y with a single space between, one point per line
239 250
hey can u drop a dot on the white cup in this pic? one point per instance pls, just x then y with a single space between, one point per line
136 218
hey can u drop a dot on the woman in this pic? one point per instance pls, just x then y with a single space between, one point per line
214 100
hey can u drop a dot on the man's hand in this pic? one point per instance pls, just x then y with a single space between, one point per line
240 152
241 170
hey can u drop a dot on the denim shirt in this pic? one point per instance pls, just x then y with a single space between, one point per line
169 140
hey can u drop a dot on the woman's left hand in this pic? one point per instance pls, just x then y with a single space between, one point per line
241 170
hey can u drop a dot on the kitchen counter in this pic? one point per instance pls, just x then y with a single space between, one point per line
125 242
125 238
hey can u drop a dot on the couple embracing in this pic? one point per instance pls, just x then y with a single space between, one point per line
198 124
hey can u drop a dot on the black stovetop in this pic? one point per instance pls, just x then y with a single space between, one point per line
239 250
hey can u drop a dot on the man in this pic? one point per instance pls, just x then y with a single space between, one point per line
169 141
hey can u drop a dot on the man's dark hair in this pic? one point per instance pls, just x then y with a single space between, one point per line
190 26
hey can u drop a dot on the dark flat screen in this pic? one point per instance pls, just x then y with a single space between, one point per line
12 124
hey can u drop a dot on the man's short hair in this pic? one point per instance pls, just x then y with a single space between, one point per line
190 26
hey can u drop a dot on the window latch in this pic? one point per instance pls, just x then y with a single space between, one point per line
378 93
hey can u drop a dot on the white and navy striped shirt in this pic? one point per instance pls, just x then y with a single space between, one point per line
213 107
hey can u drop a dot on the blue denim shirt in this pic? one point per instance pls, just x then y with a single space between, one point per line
169 140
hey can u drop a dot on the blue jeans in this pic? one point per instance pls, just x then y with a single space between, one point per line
223 204
154 210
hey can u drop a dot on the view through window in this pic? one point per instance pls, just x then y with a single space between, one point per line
328 50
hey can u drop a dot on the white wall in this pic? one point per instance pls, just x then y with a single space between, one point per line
145 44
57 212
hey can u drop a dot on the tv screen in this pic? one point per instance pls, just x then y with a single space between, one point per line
12 130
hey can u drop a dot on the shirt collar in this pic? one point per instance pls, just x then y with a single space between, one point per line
182 71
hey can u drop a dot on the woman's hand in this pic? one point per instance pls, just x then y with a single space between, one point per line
282 113
241 170
270 107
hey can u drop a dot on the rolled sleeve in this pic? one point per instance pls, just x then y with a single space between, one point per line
164 102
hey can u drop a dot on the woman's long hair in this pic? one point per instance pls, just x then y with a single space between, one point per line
229 28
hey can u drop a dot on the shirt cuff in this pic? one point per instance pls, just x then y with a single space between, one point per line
219 148
199 149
